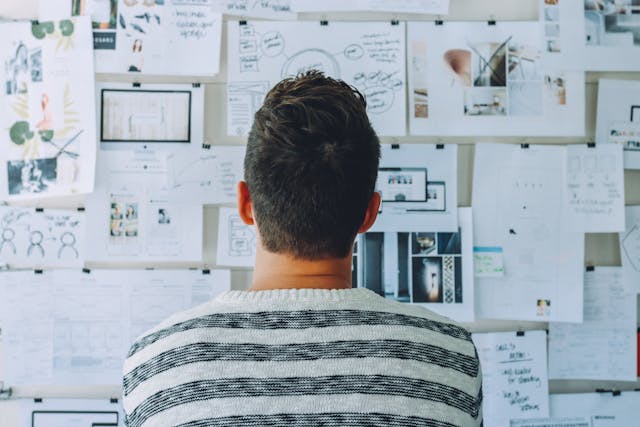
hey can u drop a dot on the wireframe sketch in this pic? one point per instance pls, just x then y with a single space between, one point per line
49 238
369 56
242 238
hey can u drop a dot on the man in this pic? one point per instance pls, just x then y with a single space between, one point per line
301 348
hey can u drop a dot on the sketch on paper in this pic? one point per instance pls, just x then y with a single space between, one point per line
430 268
206 175
236 240
49 118
369 56
33 238
132 215
154 36
474 78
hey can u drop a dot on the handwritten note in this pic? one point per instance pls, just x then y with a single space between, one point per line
488 261
514 370
594 198
603 347
266 9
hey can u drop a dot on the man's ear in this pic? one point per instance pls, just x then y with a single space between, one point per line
245 208
371 214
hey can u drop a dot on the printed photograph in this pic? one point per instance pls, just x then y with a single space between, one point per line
423 243
116 222
16 68
31 176
524 62
489 64
543 308
427 280
485 102
449 244
103 12
612 22
551 14
556 89
131 220
163 216
458 62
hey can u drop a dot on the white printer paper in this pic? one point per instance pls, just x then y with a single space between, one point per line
516 197
601 409
630 249
418 184
603 347
514 376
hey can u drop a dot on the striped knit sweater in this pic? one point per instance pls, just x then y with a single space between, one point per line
303 357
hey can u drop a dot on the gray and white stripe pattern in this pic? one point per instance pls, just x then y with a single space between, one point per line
303 358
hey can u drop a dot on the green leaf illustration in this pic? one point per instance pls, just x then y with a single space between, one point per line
46 135
40 30
20 133
66 27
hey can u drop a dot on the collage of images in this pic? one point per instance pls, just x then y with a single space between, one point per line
424 267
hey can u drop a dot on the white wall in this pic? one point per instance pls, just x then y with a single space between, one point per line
601 249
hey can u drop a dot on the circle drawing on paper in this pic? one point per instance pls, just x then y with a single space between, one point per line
311 59
353 52
379 99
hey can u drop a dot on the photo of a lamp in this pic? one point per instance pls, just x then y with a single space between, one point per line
459 62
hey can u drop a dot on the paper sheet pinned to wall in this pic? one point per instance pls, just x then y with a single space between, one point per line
131 216
470 78
594 202
205 174
430 268
603 347
630 250
32 238
552 422
514 376
236 240
418 184
170 37
368 55
69 327
47 142
516 208
602 409
618 118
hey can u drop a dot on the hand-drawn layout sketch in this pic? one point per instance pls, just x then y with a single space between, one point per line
435 7
514 376
515 209
611 34
149 115
162 37
236 241
205 175
630 249
47 120
70 413
264 9
131 216
418 185
607 334
618 118
370 56
31 238
471 78
73 327
434 269
594 202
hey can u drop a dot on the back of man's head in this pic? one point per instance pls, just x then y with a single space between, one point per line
311 166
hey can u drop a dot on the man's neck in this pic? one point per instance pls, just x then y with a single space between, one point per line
279 271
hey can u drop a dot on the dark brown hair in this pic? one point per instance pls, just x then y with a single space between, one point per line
311 166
